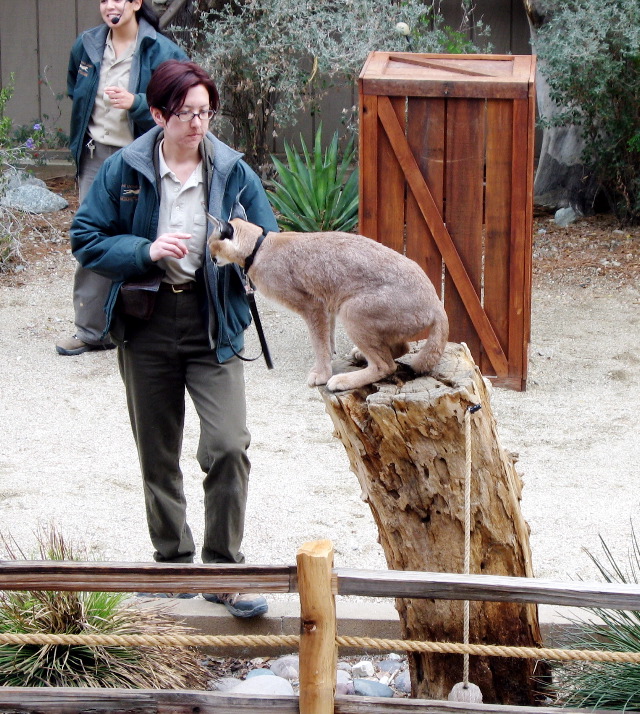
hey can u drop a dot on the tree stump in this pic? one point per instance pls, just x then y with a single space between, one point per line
405 438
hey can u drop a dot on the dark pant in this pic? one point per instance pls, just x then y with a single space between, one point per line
159 359
90 290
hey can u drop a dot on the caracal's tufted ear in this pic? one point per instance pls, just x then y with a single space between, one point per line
222 230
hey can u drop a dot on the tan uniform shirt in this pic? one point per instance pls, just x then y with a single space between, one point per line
181 211
109 125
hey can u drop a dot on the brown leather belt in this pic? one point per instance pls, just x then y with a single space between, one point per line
179 288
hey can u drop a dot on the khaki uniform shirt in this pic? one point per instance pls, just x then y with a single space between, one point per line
109 125
181 211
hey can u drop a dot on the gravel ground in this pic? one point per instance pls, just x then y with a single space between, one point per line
67 456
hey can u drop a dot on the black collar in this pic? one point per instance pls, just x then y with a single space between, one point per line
249 260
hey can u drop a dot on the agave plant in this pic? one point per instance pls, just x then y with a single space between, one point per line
606 685
317 191
88 613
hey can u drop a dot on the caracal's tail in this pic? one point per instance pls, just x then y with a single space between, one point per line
431 352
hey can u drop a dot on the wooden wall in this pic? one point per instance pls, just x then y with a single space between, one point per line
35 40
36 36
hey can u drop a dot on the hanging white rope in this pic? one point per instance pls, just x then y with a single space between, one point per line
465 691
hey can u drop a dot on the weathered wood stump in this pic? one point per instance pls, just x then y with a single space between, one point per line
405 438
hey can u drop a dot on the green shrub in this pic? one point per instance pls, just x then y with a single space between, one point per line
590 54
605 685
317 191
274 58
88 613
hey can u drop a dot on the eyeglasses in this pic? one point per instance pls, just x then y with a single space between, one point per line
204 115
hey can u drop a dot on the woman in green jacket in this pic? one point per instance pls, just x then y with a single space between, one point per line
109 69
145 213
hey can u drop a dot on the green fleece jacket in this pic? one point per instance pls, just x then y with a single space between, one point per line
83 76
114 227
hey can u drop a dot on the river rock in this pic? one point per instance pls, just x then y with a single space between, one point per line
371 688
345 688
259 672
225 684
265 686
403 682
13 178
33 199
287 667
565 216
362 669
389 666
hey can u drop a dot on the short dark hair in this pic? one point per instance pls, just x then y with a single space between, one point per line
171 81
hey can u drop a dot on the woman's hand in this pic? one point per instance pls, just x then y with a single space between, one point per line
169 245
120 98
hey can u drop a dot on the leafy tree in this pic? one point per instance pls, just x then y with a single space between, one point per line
589 54
273 58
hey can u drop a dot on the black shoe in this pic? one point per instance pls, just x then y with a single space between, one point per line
239 604
72 346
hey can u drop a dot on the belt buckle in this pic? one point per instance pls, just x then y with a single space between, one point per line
173 288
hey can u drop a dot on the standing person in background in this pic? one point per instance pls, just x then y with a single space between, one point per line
146 213
109 69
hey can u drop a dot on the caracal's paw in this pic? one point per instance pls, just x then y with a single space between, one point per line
356 356
340 382
318 377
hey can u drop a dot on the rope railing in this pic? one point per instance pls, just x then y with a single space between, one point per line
548 653
317 583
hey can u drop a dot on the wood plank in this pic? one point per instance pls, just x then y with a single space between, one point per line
497 222
491 88
391 185
145 577
442 236
464 175
372 705
425 135
528 251
520 242
501 22
73 700
66 700
55 22
368 167
373 65
487 588
431 64
20 58
88 15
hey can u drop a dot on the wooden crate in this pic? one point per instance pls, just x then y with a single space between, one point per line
446 177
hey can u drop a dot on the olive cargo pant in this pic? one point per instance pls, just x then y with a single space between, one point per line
159 360
90 290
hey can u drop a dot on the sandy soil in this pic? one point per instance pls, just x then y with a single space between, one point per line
67 456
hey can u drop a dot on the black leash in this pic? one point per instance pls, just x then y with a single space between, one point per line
251 297
253 307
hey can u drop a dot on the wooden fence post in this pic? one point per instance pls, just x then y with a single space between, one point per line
318 649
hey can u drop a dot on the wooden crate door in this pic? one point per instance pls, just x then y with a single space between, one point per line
464 209
383 135
426 138
497 207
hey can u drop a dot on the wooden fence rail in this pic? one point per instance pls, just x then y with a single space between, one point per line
318 583
179 577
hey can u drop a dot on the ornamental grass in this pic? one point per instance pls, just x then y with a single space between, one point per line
605 685
89 613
